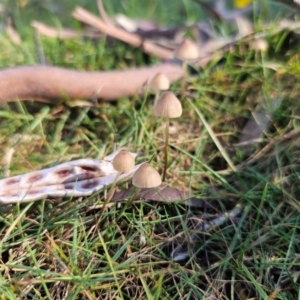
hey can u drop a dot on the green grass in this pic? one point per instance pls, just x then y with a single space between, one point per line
63 248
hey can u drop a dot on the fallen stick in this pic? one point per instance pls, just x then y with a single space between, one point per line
54 32
132 39
45 83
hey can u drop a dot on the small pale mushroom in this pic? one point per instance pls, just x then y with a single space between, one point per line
187 50
123 162
145 177
159 82
259 45
168 106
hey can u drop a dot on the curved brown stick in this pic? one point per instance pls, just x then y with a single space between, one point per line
52 83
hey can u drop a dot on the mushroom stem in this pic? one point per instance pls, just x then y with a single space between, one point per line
110 193
184 77
166 149
156 97
134 197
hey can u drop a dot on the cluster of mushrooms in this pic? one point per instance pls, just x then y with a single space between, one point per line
166 106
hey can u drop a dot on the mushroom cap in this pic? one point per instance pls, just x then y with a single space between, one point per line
123 162
146 177
259 45
159 82
186 50
168 106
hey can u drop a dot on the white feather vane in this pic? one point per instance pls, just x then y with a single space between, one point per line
76 178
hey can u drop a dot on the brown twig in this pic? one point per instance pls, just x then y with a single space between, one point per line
62 33
12 32
52 83
133 39
103 13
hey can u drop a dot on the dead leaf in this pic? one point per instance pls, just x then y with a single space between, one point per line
161 194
